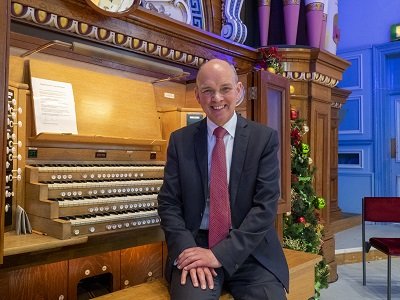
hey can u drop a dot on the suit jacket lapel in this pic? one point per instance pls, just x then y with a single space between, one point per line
200 146
238 157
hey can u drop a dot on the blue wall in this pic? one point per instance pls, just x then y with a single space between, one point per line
365 29
356 144
366 22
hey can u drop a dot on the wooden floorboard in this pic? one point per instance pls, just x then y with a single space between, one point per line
356 257
345 221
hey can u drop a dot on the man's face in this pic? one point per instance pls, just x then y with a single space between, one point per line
217 91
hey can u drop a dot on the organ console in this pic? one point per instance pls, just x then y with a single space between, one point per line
68 199
103 180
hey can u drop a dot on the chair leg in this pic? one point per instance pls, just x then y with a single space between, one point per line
364 268
389 278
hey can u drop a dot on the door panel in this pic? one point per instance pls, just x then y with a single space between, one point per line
394 144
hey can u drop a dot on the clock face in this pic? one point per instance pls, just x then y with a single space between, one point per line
114 7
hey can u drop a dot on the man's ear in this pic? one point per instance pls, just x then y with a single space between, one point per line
240 93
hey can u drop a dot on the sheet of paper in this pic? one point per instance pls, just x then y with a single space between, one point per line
54 106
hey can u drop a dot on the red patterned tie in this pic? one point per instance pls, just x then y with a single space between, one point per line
220 213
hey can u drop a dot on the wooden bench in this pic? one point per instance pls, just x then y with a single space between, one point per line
301 272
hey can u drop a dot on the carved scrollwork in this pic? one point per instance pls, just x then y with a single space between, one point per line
175 9
311 76
336 105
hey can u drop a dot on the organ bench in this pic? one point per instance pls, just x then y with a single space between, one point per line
301 272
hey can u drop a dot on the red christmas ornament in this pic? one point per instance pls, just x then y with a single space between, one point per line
293 114
296 137
295 134
301 220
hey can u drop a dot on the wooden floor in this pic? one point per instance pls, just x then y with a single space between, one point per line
345 221
348 243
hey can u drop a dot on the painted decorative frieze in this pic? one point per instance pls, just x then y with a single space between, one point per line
232 26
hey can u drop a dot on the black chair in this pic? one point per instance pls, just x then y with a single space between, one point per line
387 210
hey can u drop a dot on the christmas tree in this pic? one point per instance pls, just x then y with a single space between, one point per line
303 229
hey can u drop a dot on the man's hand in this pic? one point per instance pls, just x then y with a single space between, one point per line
197 257
201 275
200 264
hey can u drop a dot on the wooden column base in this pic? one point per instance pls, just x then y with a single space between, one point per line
328 250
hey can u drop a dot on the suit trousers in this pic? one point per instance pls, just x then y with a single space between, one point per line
250 282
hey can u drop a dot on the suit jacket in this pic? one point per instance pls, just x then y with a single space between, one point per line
253 189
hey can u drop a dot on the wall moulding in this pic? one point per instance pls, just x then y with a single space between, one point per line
312 64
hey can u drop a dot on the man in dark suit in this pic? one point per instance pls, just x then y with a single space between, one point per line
249 260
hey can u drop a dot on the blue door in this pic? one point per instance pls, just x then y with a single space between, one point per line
386 110
394 144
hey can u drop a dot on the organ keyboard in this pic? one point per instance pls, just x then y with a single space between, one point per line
67 199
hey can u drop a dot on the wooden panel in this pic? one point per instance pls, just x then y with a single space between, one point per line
28 250
4 50
24 284
141 264
174 118
335 211
272 108
338 97
105 104
39 282
85 267
4 286
16 72
191 100
55 276
213 15
302 284
328 248
301 273
320 130
169 94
